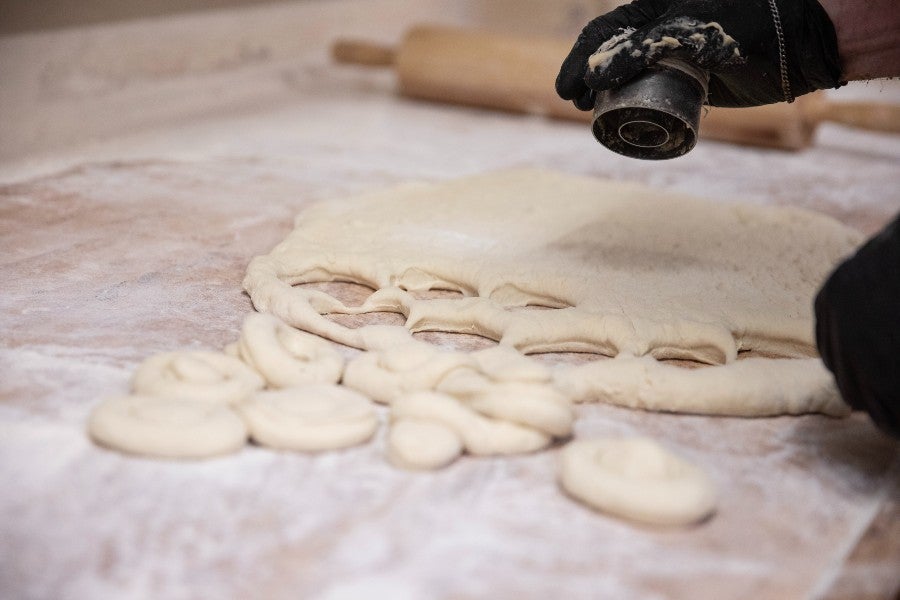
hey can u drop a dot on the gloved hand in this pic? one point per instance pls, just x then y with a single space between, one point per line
858 328
735 40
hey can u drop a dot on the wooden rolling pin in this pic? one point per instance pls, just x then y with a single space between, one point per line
515 73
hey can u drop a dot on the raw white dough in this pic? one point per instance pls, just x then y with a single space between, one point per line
286 356
196 375
311 417
480 434
637 479
419 445
166 427
631 271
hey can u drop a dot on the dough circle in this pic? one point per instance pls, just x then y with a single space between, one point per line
422 445
166 427
311 418
286 356
637 479
196 375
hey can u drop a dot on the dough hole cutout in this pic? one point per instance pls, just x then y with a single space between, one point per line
688 355
416 279
513 297
745 354
462 342
568 358
369 318
581 358
530 307
684 364
436 294
350 293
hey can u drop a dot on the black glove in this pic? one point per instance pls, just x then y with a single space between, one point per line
735 40
858 328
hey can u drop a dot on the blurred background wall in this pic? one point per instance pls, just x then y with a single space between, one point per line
76 71
17 16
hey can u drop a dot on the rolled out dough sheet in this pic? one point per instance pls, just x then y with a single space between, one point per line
627 271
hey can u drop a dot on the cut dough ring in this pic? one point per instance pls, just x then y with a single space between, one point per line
167 428
286 356
196 375
637 479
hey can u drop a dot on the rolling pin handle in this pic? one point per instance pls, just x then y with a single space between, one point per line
872 116
357 52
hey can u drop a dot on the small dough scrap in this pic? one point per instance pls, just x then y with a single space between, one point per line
422 445
166 427
609 49
411 367
286 356
637 479
311 418
196 375
535 405
480 434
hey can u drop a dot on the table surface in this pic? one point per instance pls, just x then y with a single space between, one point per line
123 248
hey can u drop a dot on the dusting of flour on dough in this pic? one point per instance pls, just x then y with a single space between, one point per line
637 274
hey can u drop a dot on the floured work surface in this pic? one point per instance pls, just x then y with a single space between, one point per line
624 271
108 264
